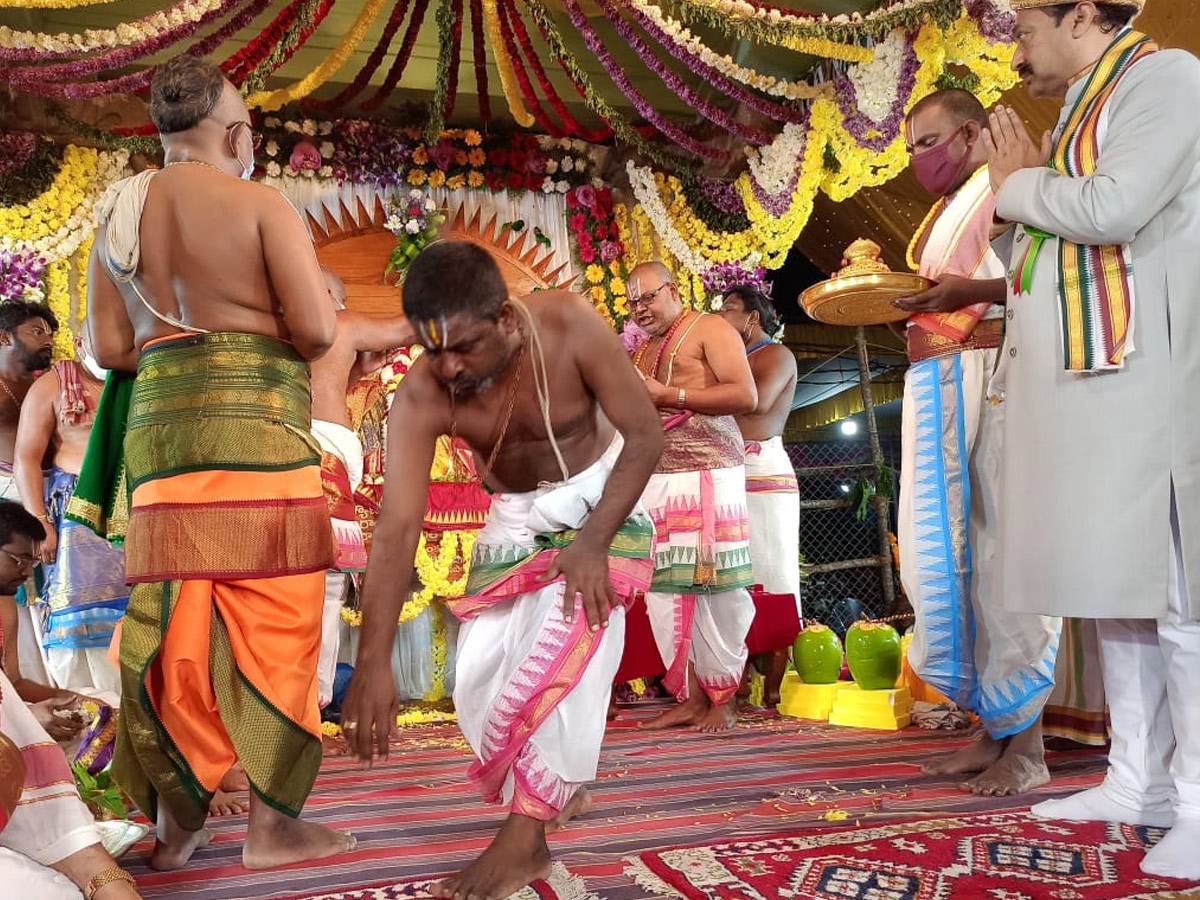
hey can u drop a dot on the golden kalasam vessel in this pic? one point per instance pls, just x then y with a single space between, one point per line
864 291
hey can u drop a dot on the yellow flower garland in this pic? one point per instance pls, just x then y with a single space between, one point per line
440 654
508 77
990 62
272 100
409 718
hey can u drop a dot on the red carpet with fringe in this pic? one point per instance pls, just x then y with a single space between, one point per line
417 818
1000 855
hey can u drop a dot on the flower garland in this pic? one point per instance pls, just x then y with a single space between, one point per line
682 89
49 4
514 25
764 23
591 97
989 60
272 100
28 165
398 64
368 152
47 80
683 38
441 652
479 59
363 78
16 45
851 140
276 44
58 224
504 64
617 73
591 221
445 17
409 718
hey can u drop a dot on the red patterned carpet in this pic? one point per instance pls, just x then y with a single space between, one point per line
417 818
1001 855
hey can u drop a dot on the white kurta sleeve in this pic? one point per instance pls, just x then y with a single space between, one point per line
1150 149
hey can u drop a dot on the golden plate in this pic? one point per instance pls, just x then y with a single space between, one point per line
862 299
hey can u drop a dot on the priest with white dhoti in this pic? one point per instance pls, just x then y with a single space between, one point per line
994 662
1102 359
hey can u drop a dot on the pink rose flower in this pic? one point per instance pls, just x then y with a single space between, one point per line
305 157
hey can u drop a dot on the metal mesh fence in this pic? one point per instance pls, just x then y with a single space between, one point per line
840 550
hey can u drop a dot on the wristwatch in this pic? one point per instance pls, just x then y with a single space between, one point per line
107 876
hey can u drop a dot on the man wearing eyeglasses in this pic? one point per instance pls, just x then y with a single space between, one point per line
208 286
18 556
694 367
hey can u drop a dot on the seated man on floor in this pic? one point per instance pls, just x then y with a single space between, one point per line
537 388
53 709
85 574
49 846
695 370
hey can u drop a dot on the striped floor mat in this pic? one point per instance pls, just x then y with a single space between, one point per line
417 818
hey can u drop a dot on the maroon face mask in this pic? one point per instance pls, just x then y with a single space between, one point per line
935 169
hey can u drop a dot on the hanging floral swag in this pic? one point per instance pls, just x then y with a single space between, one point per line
600 251
384 155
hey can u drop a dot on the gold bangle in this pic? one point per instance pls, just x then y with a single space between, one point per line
107 876
44 517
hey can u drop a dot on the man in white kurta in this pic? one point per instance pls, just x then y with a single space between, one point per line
995 663
1102 423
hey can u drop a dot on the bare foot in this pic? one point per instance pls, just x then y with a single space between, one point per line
978 755
516 858
1011 774
717 719
236 780
175 846
579 805
224 804
690 712
274 839
333 747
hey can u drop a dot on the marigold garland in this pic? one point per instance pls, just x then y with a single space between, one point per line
440 654
504 65
409 718
272 100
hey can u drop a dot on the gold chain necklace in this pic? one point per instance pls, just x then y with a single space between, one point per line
195 162
8 390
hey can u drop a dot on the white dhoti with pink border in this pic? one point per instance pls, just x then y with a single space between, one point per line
698 605
50 822
531 688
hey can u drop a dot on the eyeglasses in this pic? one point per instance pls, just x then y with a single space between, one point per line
25 562
647 298
255 138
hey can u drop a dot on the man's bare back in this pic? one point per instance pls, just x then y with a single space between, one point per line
774 370
217 253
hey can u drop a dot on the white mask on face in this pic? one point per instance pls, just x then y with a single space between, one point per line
247 170
92 366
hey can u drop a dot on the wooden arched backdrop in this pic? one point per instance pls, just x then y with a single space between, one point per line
358 248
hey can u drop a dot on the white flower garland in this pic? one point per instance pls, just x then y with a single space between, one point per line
769 84
773 166
875 83
641 180
739 9
80 225
187 12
